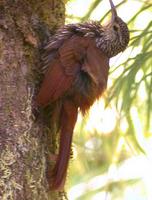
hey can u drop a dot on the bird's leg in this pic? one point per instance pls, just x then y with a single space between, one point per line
68 119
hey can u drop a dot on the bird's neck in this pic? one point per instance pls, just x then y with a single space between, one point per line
107 46
95 30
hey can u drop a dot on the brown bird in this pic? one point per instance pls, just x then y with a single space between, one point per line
76 65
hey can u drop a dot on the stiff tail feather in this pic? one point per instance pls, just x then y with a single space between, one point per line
68 119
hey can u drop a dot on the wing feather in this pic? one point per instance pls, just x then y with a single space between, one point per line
96 64
55 83
76 54
61 72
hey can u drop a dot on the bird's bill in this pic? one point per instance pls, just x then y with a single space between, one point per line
113 10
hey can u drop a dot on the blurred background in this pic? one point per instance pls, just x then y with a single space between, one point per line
112 148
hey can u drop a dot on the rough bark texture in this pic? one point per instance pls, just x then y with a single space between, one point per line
24 145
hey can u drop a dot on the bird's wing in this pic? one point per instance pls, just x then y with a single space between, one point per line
96 64
62 71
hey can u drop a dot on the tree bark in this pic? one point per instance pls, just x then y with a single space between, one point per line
25 141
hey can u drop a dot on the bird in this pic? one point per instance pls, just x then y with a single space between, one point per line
75 64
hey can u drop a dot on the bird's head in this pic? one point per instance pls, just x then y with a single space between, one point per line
116 33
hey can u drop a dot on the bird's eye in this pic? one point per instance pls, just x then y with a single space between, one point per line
115 28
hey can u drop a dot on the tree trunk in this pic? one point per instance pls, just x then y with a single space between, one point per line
24 141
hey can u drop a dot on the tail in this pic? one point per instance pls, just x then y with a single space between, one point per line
68 119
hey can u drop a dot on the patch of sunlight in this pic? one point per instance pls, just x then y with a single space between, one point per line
102 195
145 18
136 120
128 9
81 189
142 93
124 125
100 119
135 168
131 194
77 191
138 126
100 10
80 117
77 8
139 76
93 143
138 167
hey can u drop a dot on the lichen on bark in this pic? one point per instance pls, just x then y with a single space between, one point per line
24 25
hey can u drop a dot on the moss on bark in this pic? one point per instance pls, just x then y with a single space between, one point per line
24 25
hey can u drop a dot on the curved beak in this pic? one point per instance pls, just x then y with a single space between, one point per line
113 10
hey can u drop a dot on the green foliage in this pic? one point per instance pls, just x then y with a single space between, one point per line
130 93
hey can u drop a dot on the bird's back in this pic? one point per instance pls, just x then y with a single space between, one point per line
87 29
